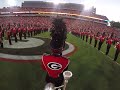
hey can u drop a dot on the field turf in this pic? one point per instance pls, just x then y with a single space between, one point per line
92 70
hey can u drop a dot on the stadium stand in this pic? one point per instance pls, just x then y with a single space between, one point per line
41 13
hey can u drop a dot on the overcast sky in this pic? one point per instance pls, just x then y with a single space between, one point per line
109 8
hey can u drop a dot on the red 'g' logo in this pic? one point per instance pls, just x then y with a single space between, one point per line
54 66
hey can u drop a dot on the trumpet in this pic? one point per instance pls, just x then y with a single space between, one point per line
67 75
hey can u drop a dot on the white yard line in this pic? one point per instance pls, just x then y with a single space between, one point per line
34 57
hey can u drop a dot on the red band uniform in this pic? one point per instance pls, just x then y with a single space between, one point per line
14 31
20 33
117 51
24 32
96 40
91 36
54 66
87 34
101 40
9 36
108 42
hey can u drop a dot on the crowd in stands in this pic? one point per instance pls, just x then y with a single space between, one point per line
78 26
64 11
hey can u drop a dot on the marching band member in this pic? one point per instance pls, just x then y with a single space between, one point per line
117 50
87 34
55 64
14 31
101 40
83 35
91 36
109 43
115 40
24 32
29 30
9 36
96 37
20 33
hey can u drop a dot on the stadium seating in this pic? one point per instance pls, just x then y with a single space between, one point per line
73 25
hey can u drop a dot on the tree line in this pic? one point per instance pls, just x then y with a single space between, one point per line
115 24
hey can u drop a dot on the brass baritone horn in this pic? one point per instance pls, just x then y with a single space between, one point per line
49 86
67 75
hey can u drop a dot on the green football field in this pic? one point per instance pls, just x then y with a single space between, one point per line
92 70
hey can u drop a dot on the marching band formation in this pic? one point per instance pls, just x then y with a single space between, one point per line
100 38
19 28
18 32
